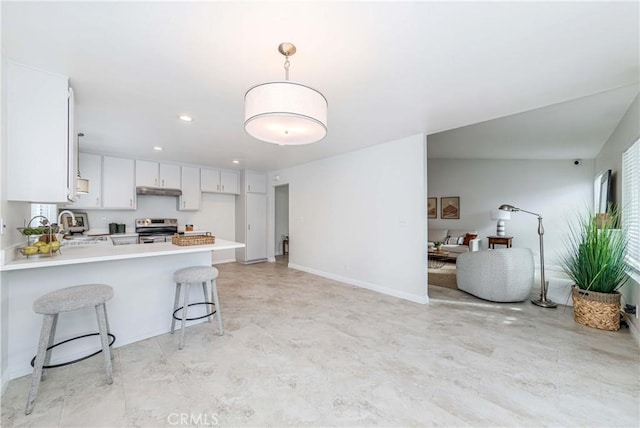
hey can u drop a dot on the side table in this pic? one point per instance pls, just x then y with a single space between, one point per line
437 259
500 240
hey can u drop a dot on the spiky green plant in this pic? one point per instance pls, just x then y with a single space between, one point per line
596 256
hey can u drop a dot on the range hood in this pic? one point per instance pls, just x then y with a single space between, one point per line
157 191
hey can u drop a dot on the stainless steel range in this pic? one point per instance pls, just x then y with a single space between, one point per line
152 230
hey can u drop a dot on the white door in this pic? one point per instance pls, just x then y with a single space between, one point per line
256 241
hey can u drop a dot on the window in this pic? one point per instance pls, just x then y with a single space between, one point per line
50 211
631 201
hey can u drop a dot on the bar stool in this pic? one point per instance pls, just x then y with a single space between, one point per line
66 300
195 274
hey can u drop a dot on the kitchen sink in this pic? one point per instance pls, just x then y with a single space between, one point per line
74 240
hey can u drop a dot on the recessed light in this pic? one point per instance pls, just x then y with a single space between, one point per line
185 118
235 161
157 148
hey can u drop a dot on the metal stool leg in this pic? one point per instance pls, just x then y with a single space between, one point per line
106 318
206 298
176 302
45 335
47 358
214 293
102 328
184 314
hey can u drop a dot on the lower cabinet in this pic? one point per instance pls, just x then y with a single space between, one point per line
118 186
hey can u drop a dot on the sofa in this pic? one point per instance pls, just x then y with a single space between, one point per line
504 275
455 241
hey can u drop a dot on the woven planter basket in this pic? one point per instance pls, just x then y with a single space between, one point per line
598 310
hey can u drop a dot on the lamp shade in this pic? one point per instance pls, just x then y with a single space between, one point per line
500 215
285 113
82 185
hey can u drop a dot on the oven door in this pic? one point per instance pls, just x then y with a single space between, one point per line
153 238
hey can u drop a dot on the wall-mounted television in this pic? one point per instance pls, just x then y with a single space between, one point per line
606 191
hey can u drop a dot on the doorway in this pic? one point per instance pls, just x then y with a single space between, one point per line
281 227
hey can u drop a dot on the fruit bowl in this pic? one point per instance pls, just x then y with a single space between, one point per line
40 250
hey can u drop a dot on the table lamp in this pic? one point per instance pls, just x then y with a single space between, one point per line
501 216
543 301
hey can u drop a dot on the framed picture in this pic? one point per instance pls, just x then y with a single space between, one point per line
450 207
432 207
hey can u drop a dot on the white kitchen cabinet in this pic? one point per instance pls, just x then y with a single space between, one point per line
118 186
218 181
40 137
154 174
251 220
90 168
255 182
190 199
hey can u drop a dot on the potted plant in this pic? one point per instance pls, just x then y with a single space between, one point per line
596 262
437 245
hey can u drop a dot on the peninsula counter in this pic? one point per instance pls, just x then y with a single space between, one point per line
140 274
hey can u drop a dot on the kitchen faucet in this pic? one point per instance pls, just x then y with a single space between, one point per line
61 227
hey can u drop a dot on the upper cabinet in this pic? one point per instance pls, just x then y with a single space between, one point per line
190 199
118 190
154 174
217 181
255 182
40 137
90 166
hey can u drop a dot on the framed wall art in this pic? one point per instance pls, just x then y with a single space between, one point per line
432 207
450 207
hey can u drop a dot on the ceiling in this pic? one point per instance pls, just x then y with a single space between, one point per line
540 80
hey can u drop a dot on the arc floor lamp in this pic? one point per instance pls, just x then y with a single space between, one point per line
543 301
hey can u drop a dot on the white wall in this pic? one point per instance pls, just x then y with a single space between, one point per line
216 215
359 218
553 188
610 157
281 207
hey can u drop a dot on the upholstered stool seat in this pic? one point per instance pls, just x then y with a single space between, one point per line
65 300
187 276
72 298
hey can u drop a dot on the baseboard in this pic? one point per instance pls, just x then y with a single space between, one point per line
363 284
632 321
271 259
219 262
5 382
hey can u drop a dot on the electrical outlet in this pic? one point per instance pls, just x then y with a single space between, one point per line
104 220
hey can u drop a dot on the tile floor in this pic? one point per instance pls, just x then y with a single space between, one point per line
300 350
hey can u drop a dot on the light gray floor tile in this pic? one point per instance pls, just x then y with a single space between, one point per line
300 350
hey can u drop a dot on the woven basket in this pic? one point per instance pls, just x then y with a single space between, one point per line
598 310
187 240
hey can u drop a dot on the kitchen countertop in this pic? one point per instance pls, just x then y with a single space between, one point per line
107 252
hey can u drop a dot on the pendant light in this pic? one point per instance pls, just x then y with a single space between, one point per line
285 113
82 184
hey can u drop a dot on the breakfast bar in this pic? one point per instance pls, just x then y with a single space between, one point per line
141 276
